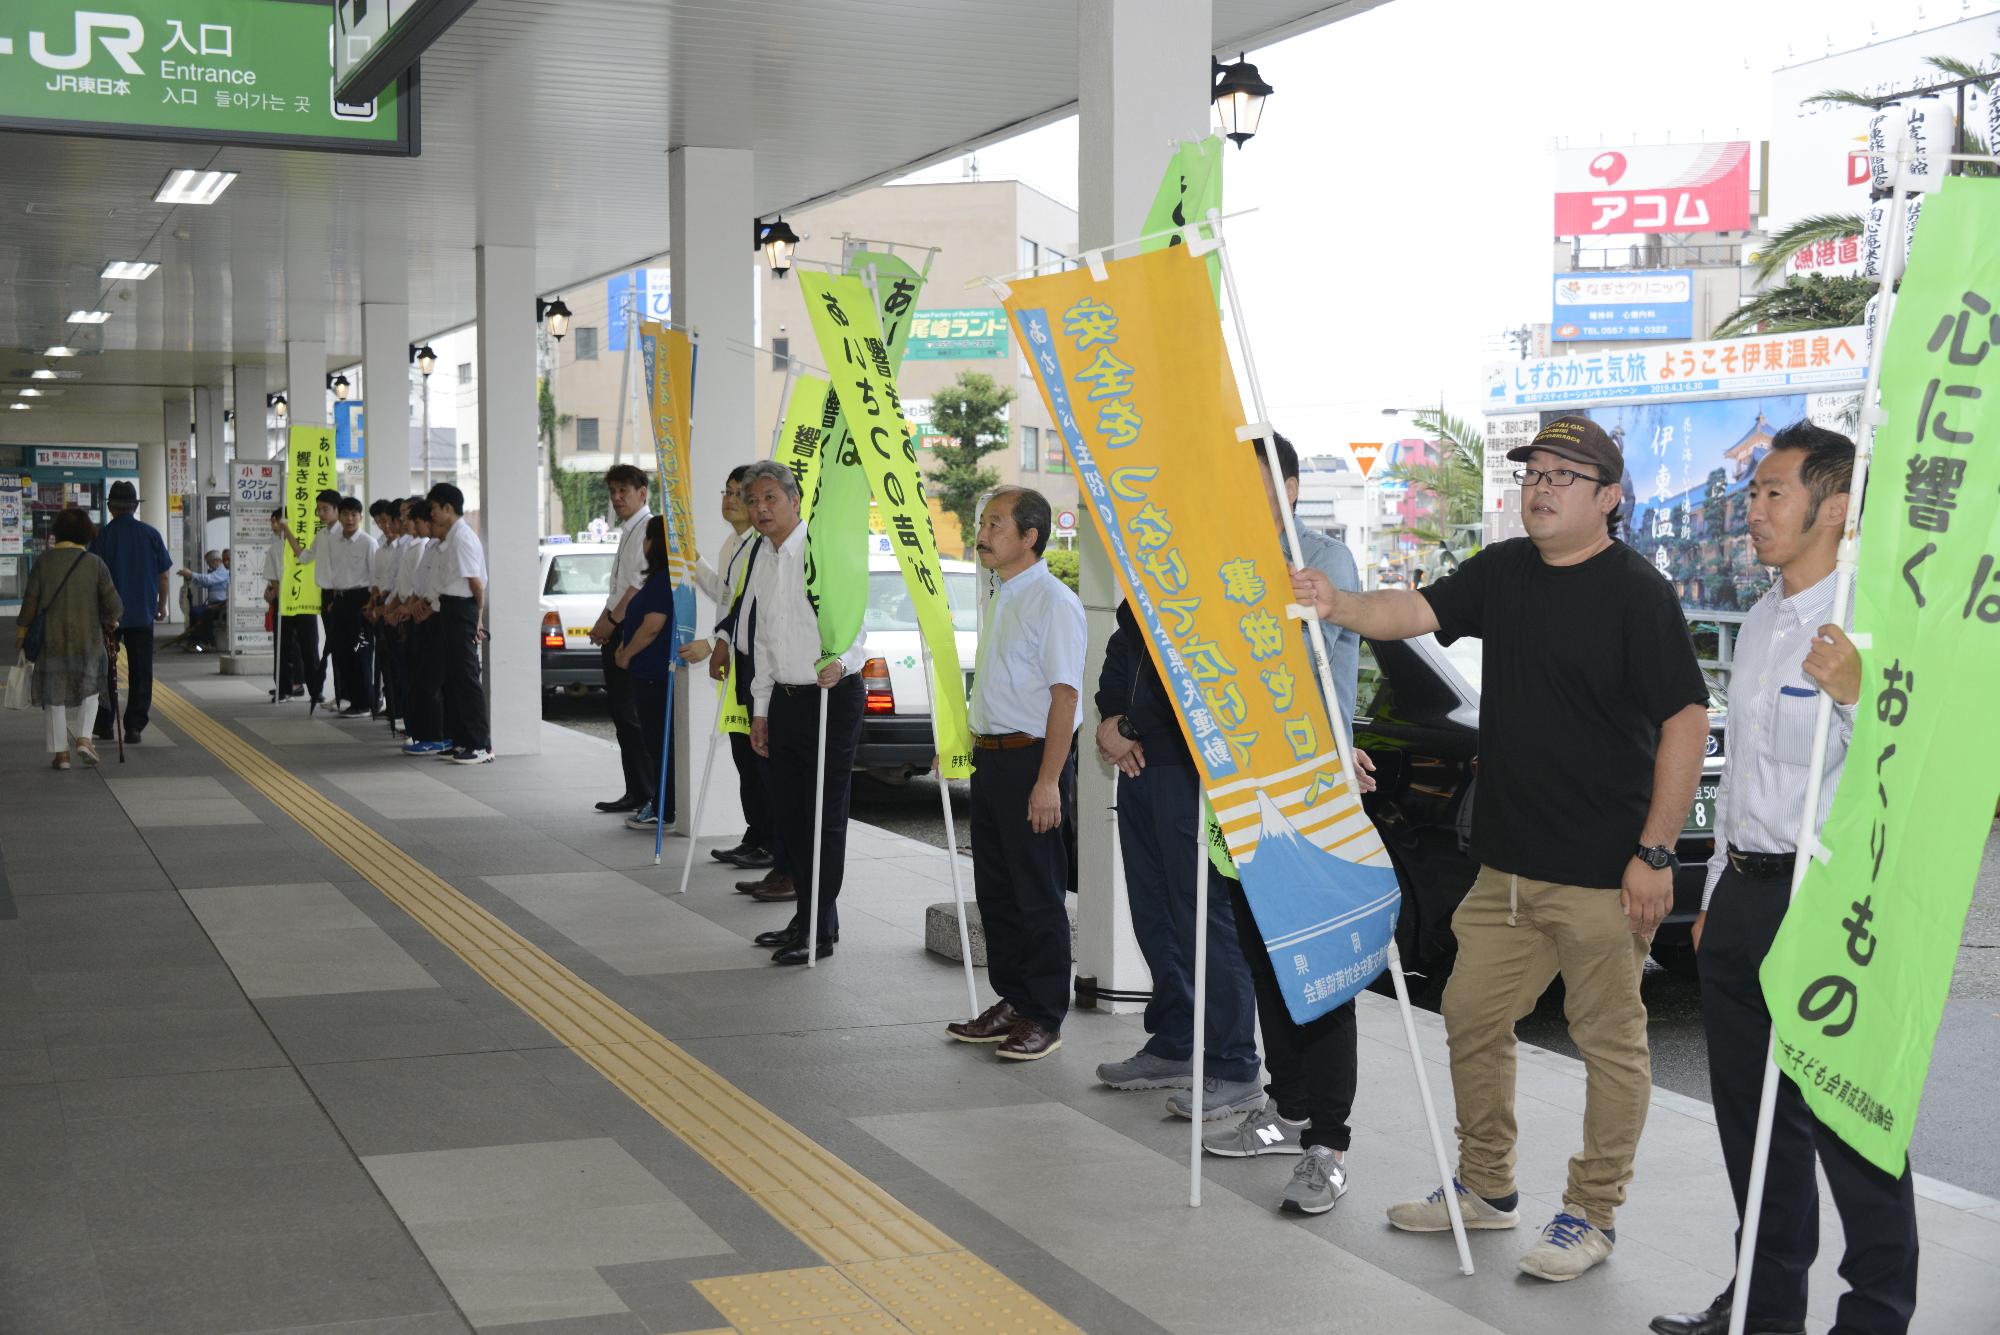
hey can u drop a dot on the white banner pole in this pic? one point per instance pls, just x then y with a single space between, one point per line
1200 990
951 844
1843 588
819 838
1261 430
701 796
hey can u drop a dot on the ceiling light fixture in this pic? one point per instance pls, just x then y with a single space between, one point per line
19 407
43 374
29 393
557 315
777 240
89 317
133 270
189 186
60 351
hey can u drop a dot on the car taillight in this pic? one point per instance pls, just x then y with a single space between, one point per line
552 630
881 696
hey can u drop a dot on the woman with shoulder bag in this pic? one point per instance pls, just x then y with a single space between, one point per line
68 611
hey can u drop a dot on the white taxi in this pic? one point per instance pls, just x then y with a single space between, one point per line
896 718
575 578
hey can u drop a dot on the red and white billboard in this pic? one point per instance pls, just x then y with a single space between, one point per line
1653 188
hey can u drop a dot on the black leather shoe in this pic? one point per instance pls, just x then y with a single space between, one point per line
750 859
1714 1320
797 954
783 937
726 854
621 805
131 739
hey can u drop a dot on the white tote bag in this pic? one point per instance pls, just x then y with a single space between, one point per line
19 679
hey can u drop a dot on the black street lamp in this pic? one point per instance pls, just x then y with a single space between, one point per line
340 386
1238 95
556 314
777 240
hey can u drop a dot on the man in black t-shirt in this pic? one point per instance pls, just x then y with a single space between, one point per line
1593 717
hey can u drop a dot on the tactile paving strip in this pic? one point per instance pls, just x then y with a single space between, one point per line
835 1210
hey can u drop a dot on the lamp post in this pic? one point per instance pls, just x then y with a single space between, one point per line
426 362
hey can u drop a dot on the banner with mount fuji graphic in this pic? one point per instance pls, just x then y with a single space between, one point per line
1134 371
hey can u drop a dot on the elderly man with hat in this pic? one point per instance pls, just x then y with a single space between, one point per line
1593 717
137 555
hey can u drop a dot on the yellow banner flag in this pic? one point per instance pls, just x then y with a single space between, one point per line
309 470
669 359
850 339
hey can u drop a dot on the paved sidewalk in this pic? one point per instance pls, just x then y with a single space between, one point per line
241 1089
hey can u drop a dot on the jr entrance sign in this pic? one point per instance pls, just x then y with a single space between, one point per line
212 71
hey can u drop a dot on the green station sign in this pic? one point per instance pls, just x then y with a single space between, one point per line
253 72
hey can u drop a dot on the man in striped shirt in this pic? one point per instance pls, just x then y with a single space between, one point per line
1789 650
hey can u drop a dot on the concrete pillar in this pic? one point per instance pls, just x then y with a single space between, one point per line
385 392
153 510
1145 67
210 477
709 208
253 438
176 412
305 383
507 488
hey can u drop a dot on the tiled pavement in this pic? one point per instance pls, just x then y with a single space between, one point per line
241 1090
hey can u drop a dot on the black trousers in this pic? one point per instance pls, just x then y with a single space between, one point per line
1314 1067
650 695
138 642
425 717
753 791
298 658
353 656
1877 1212
625 720
389 663
1021 880
793 776
464 693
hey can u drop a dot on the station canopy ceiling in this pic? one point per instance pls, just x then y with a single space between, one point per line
557 115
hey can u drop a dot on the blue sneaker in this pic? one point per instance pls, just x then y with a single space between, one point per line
642 819
427 748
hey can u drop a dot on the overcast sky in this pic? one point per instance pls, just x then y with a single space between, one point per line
1402 182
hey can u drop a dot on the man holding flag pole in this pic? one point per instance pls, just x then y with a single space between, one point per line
806 705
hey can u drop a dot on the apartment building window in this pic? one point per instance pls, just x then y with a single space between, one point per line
1031 449
781 353
465 373
1058 462
1031 254
586 343
586 435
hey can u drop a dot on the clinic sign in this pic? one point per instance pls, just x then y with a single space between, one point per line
1646 304
979 334
1651 188
248 72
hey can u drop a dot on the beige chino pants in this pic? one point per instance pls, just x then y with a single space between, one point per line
1514 936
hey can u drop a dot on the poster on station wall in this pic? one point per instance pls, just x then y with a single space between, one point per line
256 489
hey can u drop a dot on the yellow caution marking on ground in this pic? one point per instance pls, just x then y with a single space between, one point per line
890 1269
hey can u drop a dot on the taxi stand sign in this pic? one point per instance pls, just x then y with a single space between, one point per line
208 71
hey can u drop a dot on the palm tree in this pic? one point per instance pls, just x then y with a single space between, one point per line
1456 484
1802 301
1775 256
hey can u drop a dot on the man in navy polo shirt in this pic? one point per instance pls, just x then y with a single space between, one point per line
137 555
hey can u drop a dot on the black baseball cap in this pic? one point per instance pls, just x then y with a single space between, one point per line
1580 440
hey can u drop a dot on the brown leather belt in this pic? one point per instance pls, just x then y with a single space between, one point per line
1003 741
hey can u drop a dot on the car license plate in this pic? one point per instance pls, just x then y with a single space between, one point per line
1701 819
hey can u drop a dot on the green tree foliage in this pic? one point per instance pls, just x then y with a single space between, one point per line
1455 483
583 496
1802 301
968 411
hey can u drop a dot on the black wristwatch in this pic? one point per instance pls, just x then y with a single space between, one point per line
1125 728
1659 857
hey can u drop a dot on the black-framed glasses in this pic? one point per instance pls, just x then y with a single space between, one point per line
1556 477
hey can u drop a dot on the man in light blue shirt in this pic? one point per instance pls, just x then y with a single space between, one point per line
1026 706
214 583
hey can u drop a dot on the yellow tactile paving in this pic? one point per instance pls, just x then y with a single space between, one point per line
926 1280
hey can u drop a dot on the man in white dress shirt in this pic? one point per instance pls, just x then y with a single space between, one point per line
784 710
460 603
723 583
1025 711
1788 651
630 489
340 554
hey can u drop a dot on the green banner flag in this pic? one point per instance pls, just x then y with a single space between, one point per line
1192 186
1856 979
309 470
854 342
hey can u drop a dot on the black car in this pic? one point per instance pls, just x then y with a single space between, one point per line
1417 717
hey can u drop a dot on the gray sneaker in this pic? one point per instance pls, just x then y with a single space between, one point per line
1220 1099
1316 1183
1142 1070
1260 1132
